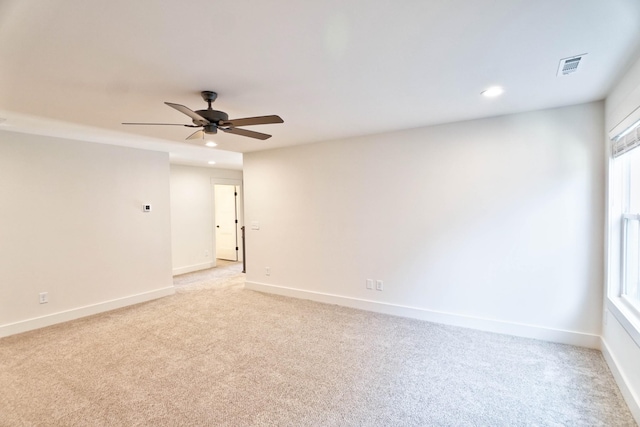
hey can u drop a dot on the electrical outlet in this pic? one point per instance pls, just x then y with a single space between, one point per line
44 297
267 271
369 283
379 285
206 254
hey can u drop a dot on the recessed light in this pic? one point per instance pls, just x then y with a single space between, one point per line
210 144
492 92
211 162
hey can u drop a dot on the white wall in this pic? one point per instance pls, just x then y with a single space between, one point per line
71 224
192 213
622 108
494 224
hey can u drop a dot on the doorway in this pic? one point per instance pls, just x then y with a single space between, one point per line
226 221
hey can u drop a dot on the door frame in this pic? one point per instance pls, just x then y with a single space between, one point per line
239 212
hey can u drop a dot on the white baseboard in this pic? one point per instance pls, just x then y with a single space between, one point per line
521 330
192 268
76 313
633 401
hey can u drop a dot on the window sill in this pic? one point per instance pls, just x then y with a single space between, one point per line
628 317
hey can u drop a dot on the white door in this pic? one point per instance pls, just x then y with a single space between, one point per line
226 222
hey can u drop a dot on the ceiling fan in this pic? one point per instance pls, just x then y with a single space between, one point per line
211 120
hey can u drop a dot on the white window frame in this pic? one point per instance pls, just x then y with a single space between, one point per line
624 286
626 311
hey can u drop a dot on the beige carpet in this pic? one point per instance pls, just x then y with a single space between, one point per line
216 354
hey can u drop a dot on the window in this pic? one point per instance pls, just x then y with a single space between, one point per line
623 285
630 228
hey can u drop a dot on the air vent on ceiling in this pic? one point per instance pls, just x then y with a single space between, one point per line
570 65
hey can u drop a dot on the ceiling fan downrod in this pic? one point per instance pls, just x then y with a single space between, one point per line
208 97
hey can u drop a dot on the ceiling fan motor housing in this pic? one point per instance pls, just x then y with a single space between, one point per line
213 116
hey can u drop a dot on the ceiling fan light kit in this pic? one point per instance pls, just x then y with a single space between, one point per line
211 120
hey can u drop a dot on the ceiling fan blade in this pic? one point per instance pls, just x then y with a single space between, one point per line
244 132
160 124
199 134
248 121
197 118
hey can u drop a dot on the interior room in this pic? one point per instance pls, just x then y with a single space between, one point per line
392 174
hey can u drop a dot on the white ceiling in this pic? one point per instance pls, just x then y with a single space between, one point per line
331 69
